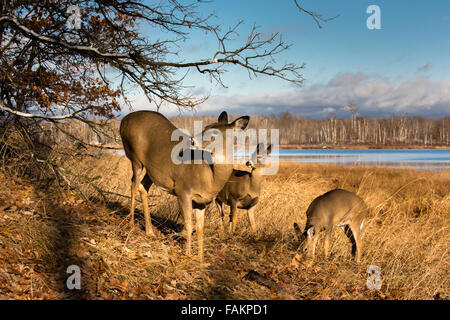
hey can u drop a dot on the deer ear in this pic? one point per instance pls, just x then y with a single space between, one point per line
223 118
240 123
259 147
254 157
269 149
311 232
297 230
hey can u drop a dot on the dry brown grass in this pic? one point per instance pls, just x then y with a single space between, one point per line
406 235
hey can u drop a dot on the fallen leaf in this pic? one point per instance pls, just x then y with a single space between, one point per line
160 288
171 296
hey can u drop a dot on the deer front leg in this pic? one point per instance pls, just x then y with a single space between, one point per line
326 244
233 216
148 222
200 225
185 203
251 218
314 244
219 205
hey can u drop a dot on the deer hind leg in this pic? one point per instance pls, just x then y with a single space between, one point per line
144 187
356 230
352 236
138 175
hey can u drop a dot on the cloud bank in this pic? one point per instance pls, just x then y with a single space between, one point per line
375 95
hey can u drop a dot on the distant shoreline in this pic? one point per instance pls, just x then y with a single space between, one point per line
363 147
351 147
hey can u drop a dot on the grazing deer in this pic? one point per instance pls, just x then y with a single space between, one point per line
337 207
146 138
242 189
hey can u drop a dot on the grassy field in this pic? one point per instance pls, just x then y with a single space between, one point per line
43 230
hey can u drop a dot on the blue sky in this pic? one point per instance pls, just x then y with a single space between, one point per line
402 68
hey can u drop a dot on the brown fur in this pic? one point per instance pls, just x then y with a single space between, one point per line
146 138
242 191
337 207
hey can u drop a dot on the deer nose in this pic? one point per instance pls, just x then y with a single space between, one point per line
250 165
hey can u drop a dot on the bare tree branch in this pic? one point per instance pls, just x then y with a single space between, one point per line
316 16
40 116
74 80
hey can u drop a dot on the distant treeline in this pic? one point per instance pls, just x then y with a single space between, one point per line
396 130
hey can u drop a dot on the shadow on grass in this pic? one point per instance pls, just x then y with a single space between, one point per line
164 225
64 250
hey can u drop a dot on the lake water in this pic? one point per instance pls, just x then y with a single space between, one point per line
421 159
435 159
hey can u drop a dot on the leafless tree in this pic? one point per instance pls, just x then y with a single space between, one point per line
318 18
353 108
54 69
392 131
44 61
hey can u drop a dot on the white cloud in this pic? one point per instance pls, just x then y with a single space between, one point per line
328 110
374 94
344 79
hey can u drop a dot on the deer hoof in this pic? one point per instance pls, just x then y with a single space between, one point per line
151 234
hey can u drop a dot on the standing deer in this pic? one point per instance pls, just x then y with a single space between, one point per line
243 189
337 207
146 137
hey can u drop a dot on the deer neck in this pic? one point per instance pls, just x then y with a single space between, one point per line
257 176
221 173
221 169
255 182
